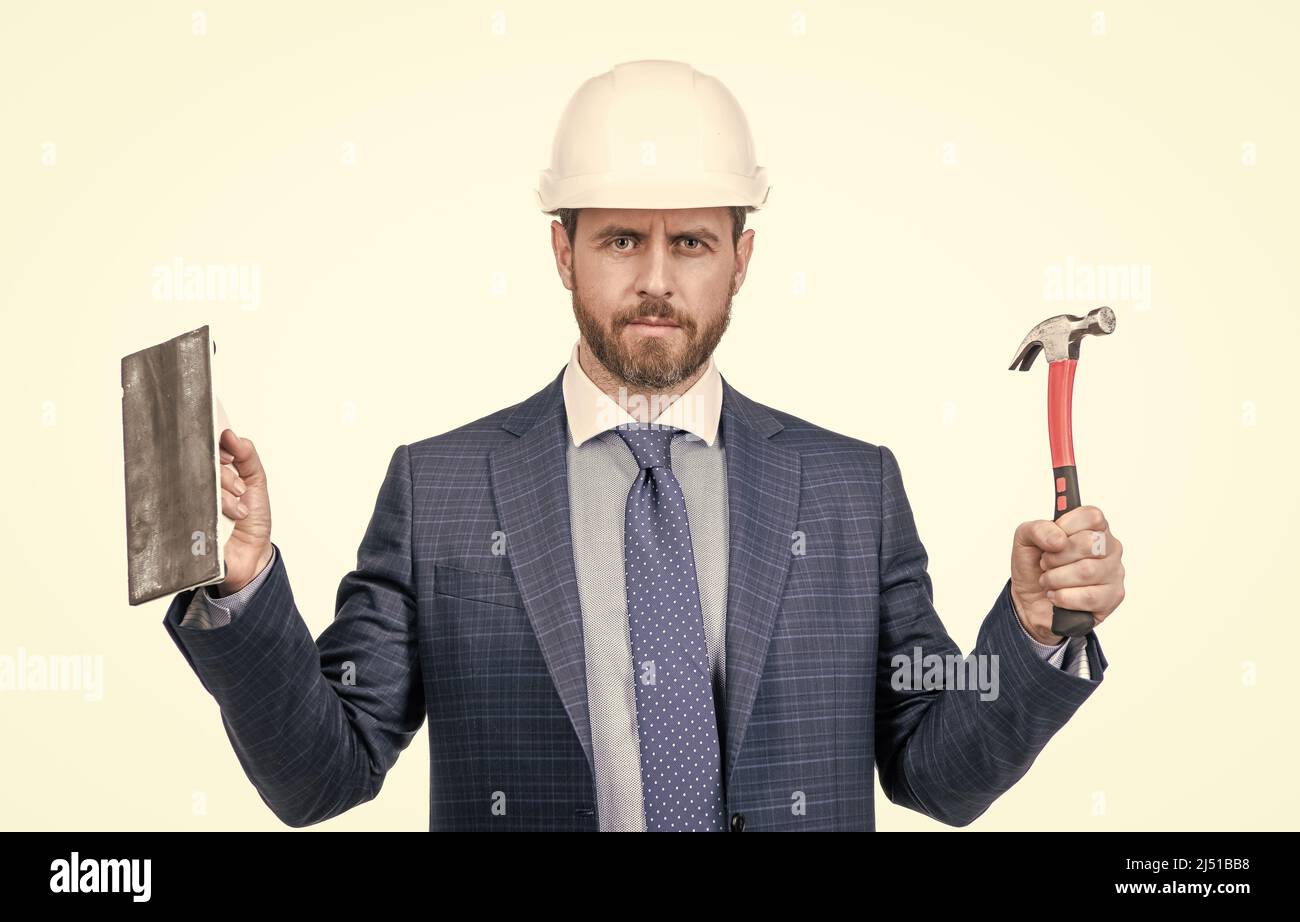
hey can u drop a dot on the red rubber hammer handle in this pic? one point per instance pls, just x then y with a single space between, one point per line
1066 622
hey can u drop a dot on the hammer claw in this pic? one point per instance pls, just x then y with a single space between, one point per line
1026 354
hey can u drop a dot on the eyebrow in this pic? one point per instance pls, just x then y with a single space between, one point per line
618 230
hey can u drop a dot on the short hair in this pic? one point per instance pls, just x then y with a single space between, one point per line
569 218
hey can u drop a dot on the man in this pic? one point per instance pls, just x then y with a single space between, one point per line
638 599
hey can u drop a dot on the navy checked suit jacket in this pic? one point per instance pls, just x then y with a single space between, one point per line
436 623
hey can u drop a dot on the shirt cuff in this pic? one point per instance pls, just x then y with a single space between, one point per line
210 611
1076 647
1053 653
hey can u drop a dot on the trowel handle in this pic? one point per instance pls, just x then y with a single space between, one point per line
1066 622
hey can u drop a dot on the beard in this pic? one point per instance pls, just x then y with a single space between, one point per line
654 363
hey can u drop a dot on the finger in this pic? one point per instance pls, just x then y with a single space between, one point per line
1080 545
232 481
244 455
1090 571
1041 534
1082 517
1084 598
231 507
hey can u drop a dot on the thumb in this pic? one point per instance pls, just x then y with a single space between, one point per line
1041 535
245 458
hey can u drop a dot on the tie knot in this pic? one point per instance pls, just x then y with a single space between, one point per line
649 443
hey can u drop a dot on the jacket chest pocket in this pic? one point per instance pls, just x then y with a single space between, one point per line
476 586
482 653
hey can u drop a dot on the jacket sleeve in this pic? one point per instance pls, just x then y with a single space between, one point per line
316 725
950 751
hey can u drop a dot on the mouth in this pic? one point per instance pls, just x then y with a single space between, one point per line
653 327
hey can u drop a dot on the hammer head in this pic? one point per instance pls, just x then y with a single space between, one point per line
1060 336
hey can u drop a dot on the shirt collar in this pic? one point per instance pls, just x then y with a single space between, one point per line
591 411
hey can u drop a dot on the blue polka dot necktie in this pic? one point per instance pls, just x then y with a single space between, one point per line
681 762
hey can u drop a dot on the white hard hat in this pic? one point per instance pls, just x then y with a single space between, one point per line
652 134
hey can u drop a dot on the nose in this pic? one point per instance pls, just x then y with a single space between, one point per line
654 280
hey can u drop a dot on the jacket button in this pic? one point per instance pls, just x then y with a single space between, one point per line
737 822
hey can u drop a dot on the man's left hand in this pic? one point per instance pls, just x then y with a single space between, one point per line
1073 562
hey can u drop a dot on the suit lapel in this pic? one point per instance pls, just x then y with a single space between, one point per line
763 482
530 485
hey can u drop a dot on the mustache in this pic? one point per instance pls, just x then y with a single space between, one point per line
655 310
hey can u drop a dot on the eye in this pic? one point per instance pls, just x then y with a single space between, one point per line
621 249
696 240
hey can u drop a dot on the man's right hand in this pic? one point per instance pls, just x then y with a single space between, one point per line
245 501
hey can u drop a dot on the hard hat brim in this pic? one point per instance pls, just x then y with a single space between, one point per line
611 190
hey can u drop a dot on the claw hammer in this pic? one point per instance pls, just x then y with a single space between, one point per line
1059 337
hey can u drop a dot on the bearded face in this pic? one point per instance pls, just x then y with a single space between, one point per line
653 346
